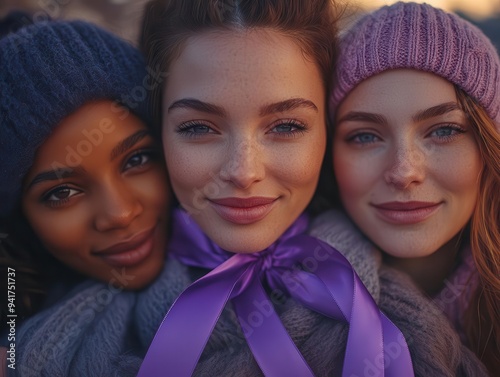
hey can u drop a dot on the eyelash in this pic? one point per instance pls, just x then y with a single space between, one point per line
59 202
454 127
300 128
351 138
187 129
151 153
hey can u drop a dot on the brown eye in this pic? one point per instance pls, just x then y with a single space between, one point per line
139 159
59 195
62 194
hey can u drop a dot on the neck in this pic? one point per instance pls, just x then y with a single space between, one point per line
430 272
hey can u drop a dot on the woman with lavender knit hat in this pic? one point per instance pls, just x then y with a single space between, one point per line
416 151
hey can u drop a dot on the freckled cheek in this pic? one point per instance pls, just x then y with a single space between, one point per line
299 168
459 175
355 176
189 170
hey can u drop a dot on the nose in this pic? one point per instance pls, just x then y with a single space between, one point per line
243 163
407 167
116 207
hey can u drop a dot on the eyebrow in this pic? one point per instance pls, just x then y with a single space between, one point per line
190 103
56 174
361 116
435 111
128 143
287 105
278 107
67 172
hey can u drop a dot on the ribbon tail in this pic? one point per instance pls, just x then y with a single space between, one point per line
365 339
271 345
183 334
370 331
399 357
365 333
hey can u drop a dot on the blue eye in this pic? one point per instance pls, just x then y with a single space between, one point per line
200 129
288 128
447 132
194 128
363 138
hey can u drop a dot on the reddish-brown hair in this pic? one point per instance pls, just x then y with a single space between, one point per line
482 320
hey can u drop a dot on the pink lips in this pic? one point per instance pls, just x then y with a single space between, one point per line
243 210
131 252
406 212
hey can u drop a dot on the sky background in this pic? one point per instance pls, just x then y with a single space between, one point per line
475 8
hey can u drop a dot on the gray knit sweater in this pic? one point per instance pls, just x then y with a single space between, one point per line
99 332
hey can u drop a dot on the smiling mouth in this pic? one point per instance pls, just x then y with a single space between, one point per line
243 211
404 213
129 253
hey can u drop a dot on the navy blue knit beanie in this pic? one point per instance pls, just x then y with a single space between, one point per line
47 71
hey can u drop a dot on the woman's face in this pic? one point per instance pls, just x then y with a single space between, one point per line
406 161
97 196
244 134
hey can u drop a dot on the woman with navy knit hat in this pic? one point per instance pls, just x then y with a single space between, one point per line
416 151
83 184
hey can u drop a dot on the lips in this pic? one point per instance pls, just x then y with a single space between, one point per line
243 211
131 252
406 212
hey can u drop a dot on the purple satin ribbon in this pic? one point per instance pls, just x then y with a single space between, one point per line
326 284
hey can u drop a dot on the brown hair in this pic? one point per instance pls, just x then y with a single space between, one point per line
312 24
167 24
482 319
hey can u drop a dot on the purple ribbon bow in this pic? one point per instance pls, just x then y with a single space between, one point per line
326 284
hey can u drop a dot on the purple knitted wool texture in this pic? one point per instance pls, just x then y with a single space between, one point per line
418 36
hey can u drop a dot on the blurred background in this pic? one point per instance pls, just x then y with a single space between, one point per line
123 17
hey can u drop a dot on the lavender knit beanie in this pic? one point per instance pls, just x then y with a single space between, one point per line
47 71
418 36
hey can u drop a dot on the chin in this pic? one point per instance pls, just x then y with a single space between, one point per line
243 245
407 250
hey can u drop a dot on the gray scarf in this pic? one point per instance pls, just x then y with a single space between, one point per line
100 332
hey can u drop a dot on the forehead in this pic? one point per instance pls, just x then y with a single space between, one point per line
85 136
244 62
401 92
